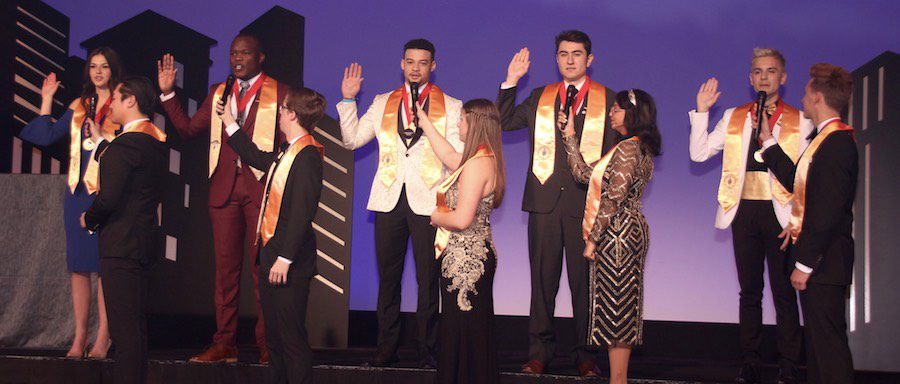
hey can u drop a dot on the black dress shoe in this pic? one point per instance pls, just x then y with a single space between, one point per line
749 374
383 361
788 375
428 362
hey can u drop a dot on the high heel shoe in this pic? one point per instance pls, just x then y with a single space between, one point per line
105 354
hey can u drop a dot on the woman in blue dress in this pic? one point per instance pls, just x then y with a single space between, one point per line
102 72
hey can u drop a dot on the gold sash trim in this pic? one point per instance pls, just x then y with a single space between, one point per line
278 175
442 237
148 128
595 191
263 126
430 167
799 206
92 172
756 186
732 166
591 148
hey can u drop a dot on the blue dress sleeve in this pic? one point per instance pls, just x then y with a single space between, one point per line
43 131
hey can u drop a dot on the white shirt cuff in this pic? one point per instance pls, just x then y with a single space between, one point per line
285 260
232 128
768 143
803 268
164 98
507 86
695 111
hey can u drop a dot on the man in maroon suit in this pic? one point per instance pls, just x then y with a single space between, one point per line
236 188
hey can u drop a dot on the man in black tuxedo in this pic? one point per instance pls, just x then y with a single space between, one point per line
824 186
553 199
132 167
287 254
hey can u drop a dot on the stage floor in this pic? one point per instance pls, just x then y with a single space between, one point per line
345 366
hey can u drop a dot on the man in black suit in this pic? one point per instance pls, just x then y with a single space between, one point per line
132 167
553 199
824 185
287 254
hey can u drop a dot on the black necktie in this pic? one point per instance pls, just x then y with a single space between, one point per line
572 91
284 147
812 135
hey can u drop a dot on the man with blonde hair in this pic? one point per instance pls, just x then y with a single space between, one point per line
756 206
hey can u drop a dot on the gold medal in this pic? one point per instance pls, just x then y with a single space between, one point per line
88 145
758 156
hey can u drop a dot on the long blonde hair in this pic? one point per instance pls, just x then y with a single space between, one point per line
483 120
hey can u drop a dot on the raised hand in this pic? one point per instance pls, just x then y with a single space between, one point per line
765 132
166 72
708 94
518 66
50 86
352 81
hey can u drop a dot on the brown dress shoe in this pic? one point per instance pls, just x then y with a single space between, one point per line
264 356
588 369
534 367
217 353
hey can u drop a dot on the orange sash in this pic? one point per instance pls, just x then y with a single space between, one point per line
430 166
442 237
91 173
278 175
263 126
595 191
544 155
733 169
802 172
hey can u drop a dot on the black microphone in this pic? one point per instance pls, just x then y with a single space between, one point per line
570 98
414 90
229 83
91 112
760 108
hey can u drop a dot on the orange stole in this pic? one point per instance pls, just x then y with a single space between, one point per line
732 167
797 210
263 126
442 237
278 175
595 191
430 167
91 173
591 146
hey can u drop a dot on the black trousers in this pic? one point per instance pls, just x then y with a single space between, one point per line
284 308
755 232
549 234
125 289
828 357
393 231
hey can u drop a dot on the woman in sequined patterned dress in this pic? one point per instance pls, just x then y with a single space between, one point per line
615 232
467 349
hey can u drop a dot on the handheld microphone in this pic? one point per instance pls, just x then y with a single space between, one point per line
760 107
229 83
570 98
414 91
754 136
92 106
88 143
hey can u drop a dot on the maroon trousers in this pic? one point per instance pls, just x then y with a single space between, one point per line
233 227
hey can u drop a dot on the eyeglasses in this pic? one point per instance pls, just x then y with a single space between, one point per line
283 108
